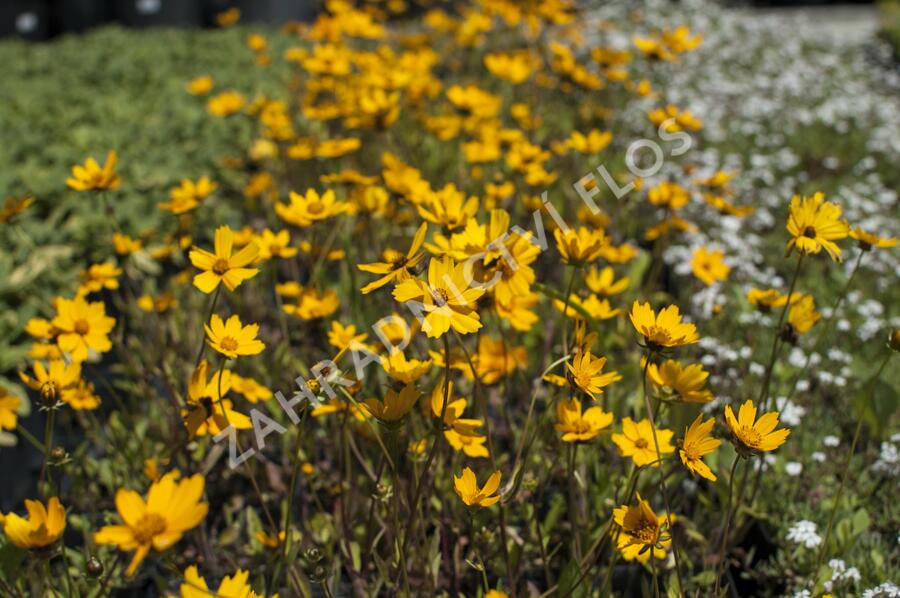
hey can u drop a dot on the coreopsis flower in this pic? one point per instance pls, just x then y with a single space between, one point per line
395 404
603 282
663 330
226 103
674 120
581 245
814 225
91 177
200 86
98 277
448 207
803 315
517 310
231 586
754 436
696 444
642 533
668 194
43 526
208 412
82 327
170 509
159 304
81 397
636 441
188 195
599 309
13 207
402 369
587 373
313 304
723 206
304 210
251 390
686 383
466 487
515 67
868 240
396 266
447 300
231 338
592 143
768 298
273 542
577 425
53 380
9 409
344 337
223 266
335 148
275 245
709 266
125 245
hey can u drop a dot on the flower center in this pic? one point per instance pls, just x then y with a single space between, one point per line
641 443
750 436
646 533
149 526
441 297
220 267
809 232
229 343
49 390
82 327
315 207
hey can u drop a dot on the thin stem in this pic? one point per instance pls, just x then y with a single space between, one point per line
48 442
723 550
209 313
565 314
763 399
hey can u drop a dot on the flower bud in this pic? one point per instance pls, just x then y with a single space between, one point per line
94 567
894 340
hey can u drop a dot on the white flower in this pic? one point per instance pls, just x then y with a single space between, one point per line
804 532
885 590
791 413
818 456
793 469
831 441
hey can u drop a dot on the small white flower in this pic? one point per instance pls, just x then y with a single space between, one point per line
793 469
804 532
818 457
831 441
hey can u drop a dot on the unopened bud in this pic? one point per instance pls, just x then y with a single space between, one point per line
94 567
894 340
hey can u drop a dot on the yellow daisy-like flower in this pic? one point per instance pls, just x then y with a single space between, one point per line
466 487
209 412
82 327
803 315
446 299
313 304
226 103
709 266
43 526
91 177
581 245
696 444
636 441
769 298
171 509
200 86
868 240
9 410
686 382
13 207
754 436
597 308
231 338
577 425
188 195
396 266
815 224
125 245
395 404
98 277
603 282
275 245
448 207
304 210
402 369
587 373
232 586
53 380
641 532
663 330
223 265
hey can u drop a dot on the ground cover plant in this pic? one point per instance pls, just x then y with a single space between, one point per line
493 299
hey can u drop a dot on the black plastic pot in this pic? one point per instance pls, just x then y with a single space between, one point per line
28 19
149 13
73 16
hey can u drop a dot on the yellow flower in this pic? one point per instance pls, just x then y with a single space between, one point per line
226 103
343 337
670 195
395 404
592 143
868 240
754 436
231 338
642 532
515 67
448 207
397 266
709 266
82 327
210 413
200 86
313 304
769 298
274 542
578 426
91 177
252 390
335 148
402 369
587 373
675 120
446 299
593 306
304 210
160 304
98 277
636 441
81 397
697 443
14 206
232 586
171 509
603 282
223 266
188 195
466 487
686 382
815 224
581 245
663 330
803 315
125 245
53 380
228 17
42 527
516 309
275 245
9 410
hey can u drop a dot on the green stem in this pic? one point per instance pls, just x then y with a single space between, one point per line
723 550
